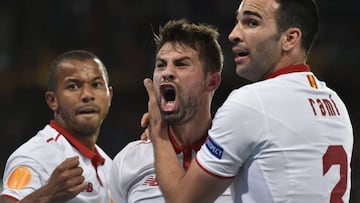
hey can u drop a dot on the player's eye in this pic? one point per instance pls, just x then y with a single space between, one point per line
72 86
181 64
253 23
97 84
250 22
160 64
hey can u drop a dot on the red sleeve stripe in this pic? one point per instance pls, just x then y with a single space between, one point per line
52 139
210 173
9 197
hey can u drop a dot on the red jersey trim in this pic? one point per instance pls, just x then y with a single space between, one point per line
186 150
210 173
10 197
289 69
196 146
94 156
49 140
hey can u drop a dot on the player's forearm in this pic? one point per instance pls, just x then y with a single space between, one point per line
35 200
47 194
4 199
168 170
41 195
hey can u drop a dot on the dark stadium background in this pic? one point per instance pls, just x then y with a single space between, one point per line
32 33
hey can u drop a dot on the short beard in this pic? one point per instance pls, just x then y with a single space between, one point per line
184 114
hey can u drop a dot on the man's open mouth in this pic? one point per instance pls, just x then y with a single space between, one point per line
168 92
241 54
168 97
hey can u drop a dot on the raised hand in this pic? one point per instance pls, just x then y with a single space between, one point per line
157 127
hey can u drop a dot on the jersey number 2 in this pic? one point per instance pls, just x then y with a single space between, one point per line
336 154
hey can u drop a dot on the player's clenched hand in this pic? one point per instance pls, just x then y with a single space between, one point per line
67 181
157 127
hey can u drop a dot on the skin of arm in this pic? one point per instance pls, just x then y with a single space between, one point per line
195 185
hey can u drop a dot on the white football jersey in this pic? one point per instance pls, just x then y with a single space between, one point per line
133 178
30 166
286 139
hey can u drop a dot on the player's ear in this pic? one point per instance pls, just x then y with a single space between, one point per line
51 100
214 81
291 38
111 92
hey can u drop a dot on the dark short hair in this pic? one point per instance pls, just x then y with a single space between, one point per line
303 14
202 38
80 55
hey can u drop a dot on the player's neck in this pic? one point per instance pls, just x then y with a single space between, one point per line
291 58
192 131
88 141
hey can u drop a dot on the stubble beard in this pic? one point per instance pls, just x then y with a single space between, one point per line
184 113
74 125
261 64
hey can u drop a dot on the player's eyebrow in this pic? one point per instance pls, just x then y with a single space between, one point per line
252 13
182 58
98 78
71 79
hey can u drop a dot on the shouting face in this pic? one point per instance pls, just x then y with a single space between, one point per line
179 82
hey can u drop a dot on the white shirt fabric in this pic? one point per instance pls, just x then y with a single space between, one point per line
133 178
44 152
286 139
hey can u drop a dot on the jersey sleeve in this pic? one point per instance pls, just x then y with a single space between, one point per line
236 132
22 176
128 165
117 181
29 168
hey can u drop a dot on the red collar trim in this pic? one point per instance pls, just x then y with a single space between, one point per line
289 69
194 147
94 156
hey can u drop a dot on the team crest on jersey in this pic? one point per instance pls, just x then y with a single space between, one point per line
19 178
214 148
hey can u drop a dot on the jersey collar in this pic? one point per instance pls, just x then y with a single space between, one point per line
180 148
187 151
94 156
289 69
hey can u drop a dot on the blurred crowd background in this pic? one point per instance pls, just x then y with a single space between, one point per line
32 33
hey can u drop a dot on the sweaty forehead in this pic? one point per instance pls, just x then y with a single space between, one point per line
82 65
175 49
72 67
265 8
